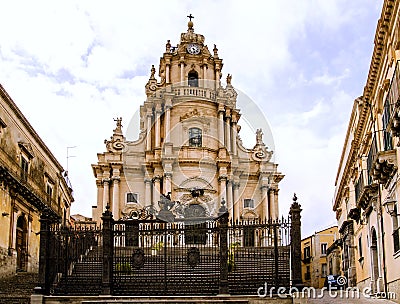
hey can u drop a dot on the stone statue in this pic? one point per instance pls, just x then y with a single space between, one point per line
259 135
229 79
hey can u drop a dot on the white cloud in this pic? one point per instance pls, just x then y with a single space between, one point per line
73 66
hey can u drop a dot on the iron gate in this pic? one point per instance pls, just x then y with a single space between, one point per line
158 258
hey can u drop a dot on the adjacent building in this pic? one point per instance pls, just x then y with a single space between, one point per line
367 192
189 148
315 264
31 182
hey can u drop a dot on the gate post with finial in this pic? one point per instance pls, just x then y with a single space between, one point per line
223 250
108 251
295 242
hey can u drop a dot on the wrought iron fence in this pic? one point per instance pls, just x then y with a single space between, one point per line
185 257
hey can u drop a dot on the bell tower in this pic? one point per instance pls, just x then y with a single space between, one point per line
190 62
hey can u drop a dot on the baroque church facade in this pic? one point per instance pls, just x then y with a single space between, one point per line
189 149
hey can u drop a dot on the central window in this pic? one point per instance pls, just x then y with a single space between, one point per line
195 137
193 79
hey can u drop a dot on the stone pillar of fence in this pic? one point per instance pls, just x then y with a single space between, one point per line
108 251
295 242
44 251
223 247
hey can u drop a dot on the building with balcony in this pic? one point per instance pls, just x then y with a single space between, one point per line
315 266
31 182
189 147
367 193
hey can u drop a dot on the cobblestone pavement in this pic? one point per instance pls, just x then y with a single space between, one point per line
341 297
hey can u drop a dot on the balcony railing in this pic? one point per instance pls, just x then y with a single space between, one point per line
203 93
359 186
393 99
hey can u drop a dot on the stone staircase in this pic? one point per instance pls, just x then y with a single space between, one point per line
18 288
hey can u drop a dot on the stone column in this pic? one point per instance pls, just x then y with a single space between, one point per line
168 183
236 199
229 198
167 123
148 133
264 202
147 193
100 206
158 137
106 192
271 193
182 65
222 188
228 131
156 189
115 203
221 138
205 75
234 135
167 73
276 206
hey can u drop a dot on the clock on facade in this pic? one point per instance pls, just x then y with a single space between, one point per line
193 49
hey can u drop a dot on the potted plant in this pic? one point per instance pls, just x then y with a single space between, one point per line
157 247
231 256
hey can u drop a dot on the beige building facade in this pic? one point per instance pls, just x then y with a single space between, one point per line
315 264
31 182
367 192
189 148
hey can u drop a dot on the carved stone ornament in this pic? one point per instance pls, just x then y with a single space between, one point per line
194 113
193 257
117 141
260 152
138 259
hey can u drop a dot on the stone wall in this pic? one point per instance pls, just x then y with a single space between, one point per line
7 263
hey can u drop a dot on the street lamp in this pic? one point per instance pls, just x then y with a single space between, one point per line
390 207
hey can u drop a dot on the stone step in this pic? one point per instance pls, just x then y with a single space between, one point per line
17 288
170 300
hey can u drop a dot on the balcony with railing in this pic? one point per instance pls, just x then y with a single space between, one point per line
27 185
383 164
366 190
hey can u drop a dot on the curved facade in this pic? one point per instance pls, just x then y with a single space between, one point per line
189 148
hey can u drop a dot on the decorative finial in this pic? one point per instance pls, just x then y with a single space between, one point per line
168 46
190 23
215 51
295 197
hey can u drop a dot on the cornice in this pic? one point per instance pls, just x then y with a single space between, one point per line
372 83
4 95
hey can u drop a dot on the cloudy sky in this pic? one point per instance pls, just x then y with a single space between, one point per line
73 66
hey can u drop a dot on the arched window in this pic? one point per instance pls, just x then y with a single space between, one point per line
195 139
193 79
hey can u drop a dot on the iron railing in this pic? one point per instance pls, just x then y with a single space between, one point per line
185 257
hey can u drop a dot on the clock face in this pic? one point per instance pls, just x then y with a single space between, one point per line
193 49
